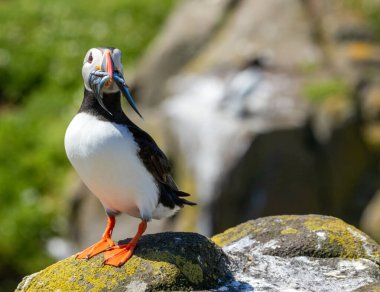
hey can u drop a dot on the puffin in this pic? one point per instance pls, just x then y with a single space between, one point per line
119 163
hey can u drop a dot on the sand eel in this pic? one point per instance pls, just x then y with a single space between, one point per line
120 163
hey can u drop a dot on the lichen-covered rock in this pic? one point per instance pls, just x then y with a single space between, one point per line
278 253
165 261
307 253
310 235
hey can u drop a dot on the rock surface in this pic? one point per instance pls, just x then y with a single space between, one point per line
278 253
186 32
303 253
370 222
309 235
164 261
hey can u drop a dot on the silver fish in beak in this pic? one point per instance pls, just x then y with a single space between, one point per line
98 80
119 79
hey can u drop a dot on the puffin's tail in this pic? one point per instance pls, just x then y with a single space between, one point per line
171 197
183 201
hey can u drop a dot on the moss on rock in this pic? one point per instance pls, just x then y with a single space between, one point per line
165 261
309 235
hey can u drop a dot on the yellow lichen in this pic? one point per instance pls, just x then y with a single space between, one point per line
193 272
233 234
289 230
342 235
72 275
287 218
342 239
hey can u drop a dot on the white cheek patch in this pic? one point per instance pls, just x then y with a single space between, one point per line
98 57
87 68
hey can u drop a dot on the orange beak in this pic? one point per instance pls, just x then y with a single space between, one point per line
109 68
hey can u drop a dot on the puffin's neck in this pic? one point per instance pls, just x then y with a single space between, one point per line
112 102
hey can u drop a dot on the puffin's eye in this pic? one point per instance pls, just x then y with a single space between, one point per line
90 58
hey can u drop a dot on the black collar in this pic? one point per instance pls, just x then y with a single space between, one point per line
111 101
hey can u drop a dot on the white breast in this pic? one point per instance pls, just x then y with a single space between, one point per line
105 156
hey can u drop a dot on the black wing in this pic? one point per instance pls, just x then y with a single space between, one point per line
157 163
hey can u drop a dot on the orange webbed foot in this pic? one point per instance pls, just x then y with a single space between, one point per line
95 249
118 255
104 244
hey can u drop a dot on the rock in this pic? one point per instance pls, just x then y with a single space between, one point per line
370 221
250 31
349 34
303 253
213 134
259 115
309 235
258 164
269 178
164 261
185 33
278 253
374 287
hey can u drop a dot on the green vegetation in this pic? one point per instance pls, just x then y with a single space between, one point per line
319 91
42 47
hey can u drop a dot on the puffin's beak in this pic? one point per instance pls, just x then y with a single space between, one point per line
109 68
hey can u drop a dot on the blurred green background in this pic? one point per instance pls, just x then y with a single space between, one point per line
42 47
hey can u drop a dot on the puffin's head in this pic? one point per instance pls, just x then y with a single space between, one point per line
103 73
105 59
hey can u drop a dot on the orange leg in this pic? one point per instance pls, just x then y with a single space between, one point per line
105 243
118 255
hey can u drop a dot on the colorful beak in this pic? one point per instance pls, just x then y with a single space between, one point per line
109 68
